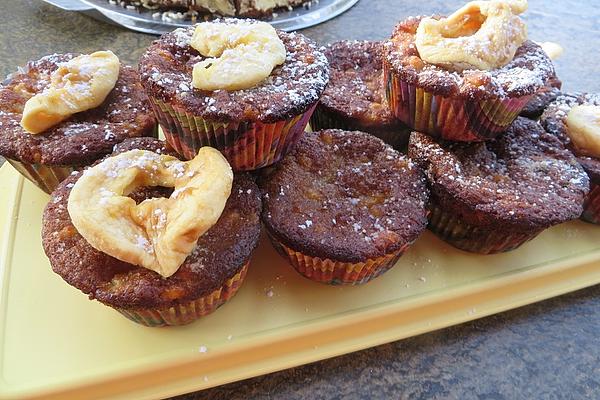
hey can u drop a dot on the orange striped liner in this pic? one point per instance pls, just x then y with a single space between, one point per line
450 118
451 229
183 314
246 145
333 272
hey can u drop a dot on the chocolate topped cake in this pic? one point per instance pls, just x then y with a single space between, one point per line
346 201
209 276
355 96
77 141
494 196
228 8
254 126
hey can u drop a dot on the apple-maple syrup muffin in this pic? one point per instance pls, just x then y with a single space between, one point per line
343 206
354 98
582 142
253 122
494 196
542 99
48 157
465 77
210 275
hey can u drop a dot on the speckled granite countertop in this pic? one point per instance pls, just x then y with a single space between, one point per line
549 350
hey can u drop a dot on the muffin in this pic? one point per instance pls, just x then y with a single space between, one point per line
253 127
494 196
354 99
554 120
49 157
208 277
459 100
343 206
542 99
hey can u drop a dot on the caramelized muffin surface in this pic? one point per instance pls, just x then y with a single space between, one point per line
219 255
524 180
291 89
355 91
82 138
554 121
345 196
528 72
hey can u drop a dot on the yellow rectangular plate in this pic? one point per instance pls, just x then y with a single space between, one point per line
56 344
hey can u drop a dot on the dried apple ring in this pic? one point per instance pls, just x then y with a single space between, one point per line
158 233
241 55
80 84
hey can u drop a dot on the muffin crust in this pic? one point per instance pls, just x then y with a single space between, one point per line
523 181
539 101
291 89
526 74
345 196
85 136
355 93
554 121
219 255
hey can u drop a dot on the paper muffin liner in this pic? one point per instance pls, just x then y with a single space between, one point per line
325 119
334 272
450 228
45 177
246 145
591 206
189 312
450 118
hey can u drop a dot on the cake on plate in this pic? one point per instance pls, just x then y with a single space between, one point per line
240 8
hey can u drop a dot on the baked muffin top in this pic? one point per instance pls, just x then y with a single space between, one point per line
525 179
524 75
345 196
542 98
291 89
355 87
554 121
85 136
220 253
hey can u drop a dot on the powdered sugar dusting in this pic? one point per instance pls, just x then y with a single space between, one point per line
289 90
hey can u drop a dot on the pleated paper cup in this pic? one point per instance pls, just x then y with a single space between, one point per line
451 229
332 272
45 177
591 207
450 118
246 145
188 312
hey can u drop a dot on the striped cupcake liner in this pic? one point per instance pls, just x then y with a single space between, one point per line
246 145
333 272
45 177
325 119
189 312
450 228
591 206
450 118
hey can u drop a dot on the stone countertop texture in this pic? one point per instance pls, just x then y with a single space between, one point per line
549 350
